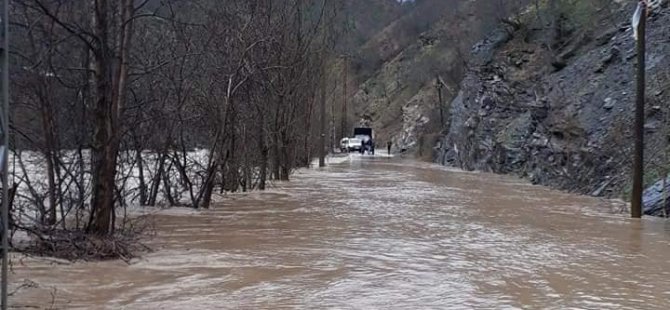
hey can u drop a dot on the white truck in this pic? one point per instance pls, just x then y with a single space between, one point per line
362 141
367 139
348 145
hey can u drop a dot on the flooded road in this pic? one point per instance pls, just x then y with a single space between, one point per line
380 234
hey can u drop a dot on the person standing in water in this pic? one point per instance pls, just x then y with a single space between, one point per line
388 146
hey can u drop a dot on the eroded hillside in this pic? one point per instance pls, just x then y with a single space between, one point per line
545 96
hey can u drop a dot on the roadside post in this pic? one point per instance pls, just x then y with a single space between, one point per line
639 22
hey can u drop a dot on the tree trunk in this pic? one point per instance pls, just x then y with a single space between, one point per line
285 156
110 87
275 145
233 165
140 170
209 187
51 177
103 176
262 146
48 129
167 186
156 181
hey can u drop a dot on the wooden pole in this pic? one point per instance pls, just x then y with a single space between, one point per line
322 114
439 100
345 112
322 104
638 163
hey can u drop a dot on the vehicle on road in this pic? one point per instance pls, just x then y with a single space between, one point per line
350 145
366 135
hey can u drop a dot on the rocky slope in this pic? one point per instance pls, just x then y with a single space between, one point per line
517 100
563 121
400 99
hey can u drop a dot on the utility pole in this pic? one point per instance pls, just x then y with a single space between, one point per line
322 114
322 106
438 85
345 112
4 149
640 25
333 131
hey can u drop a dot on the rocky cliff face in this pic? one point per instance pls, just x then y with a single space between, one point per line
563 117
558 113
400 99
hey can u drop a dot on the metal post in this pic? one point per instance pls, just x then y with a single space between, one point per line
4 149
638 165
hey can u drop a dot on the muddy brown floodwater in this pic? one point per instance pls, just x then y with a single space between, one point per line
379 234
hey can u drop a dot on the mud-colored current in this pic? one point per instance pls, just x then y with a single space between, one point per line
378 234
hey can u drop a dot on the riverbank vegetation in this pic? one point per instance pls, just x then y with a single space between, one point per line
118 103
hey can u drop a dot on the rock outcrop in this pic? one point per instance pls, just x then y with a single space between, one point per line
564 117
